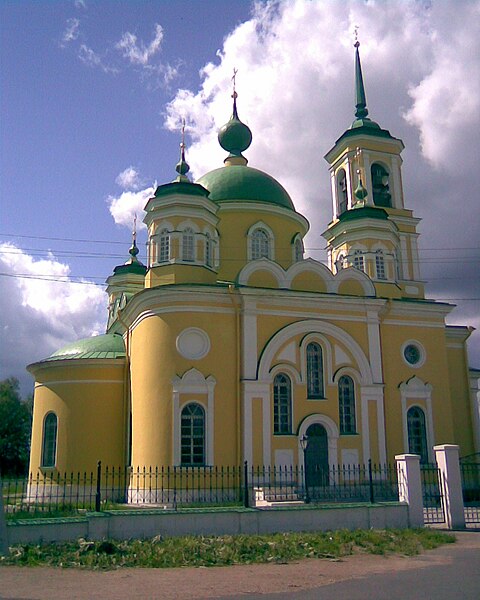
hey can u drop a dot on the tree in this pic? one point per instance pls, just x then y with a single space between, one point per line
15 428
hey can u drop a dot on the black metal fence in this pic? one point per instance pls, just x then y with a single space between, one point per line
50 493
432 489
470 470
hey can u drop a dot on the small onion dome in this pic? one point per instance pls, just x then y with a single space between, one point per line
133 265
182 167
235 136
360 192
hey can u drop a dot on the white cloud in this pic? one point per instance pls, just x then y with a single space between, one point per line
72 31
123 208
41 310
129 179
295 64
80 4
93 59
137 52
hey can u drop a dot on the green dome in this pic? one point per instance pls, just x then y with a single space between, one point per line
109 345
235 183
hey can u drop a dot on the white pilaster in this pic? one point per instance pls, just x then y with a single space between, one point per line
374 347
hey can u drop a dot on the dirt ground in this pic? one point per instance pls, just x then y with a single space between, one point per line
22 583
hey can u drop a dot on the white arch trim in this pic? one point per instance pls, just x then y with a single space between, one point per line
332 435
309 265
313 326
352 273
262 264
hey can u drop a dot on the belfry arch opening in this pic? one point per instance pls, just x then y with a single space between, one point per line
381 186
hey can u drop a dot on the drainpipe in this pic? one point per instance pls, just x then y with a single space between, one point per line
233 290
126 389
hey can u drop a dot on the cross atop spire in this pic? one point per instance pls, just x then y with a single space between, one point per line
234 94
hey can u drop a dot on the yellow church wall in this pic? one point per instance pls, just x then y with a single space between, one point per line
262 279
234 227
434 371
351 287
462 414
156 362
88 401
257 418
177 274
309 282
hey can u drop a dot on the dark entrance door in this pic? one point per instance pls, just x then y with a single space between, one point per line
316 469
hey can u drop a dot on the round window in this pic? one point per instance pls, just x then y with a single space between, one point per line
412 354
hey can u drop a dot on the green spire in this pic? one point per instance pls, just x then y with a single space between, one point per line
360 97
361 110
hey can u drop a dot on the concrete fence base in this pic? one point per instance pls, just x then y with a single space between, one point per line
146 523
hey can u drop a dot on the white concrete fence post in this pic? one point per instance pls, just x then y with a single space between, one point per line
447 457
410 486
3 525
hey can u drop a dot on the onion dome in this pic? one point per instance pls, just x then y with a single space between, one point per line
182 167
235 137
133 265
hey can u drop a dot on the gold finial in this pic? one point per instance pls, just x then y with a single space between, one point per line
134 232
355 31
234 79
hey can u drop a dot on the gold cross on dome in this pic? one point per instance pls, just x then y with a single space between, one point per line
234 79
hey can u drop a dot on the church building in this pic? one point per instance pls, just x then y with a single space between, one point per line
230 345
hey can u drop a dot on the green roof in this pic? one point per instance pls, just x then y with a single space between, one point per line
180 187
108 345
367 212
241 183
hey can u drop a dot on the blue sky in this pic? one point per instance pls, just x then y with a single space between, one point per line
93 90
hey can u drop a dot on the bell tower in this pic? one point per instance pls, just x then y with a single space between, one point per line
371 229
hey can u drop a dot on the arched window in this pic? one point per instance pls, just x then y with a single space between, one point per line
282 404
208 250
380 265
315 387
346 404
164 246
188 244
358 260
380 186
417 433
342 191
49 441
192 435
260 244
298 250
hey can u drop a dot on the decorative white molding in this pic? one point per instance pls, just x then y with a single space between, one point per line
341 357
313 326
351 273
332 436
309 265
417 390
194 382
374 345
289 353
423 354
193 343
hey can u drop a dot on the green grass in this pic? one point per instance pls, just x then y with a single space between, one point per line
206 551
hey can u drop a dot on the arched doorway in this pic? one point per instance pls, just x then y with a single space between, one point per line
316 467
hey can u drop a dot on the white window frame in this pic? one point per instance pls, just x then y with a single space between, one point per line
270 241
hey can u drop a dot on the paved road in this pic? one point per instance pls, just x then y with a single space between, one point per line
450 572
459 579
